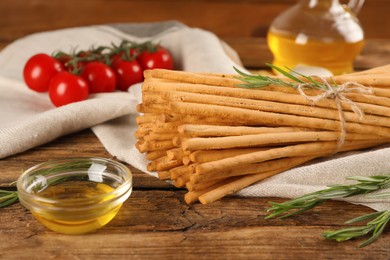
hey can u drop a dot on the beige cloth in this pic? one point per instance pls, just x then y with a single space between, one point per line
28 119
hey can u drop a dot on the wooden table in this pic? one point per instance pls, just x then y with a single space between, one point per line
156 223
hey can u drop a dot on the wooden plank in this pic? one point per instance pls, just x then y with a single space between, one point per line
157 224
226 18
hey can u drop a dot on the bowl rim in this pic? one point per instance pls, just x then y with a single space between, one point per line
35 198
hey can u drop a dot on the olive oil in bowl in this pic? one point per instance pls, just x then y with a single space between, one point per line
75 196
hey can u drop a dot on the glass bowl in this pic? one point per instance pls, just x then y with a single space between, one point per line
77 195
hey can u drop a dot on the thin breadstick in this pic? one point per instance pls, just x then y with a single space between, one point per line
263 166
181 181
261 94
156 146
215 130
252 116
145 127
152 108
141 134
186 160
277 107
180 170
231 187
240 183
139 145
163 175
252 168
152 98
373 80
153 155
305 149
159 136
189 77
229 81
163 164
147 118
175 153
191 186
201 156
266 139
192 196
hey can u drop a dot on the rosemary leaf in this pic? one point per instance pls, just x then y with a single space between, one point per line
376 227
365 185
259 81
7 198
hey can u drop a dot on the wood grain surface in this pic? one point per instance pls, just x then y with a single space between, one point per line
156 223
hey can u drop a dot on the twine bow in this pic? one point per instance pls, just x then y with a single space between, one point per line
337 93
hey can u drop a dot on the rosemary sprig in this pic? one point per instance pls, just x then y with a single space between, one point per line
308 201
7 198
375 226
365 185
259 81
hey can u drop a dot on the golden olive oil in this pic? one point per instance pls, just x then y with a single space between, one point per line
336 56
87 218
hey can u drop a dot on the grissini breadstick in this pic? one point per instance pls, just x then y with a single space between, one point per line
277 107
156 146
376 80
261 94
252 168
149 118
266 139
153 155
240 183
186 160
163 164
201 156
180 170
159 136
189 77
373 80
191 186
275 164
192 196
181 181
305 149
253 117
152 98
163 175
215 130
152 108
175 153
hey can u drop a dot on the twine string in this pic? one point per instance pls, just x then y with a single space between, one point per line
338 95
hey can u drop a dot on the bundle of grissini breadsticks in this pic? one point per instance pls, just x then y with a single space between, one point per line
209 134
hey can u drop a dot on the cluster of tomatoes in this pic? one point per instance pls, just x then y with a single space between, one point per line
71 78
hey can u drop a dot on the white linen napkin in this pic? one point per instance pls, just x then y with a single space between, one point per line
28 119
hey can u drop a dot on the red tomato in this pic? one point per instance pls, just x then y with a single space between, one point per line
100 77
66 88
127 73
66 62
39 70
160 58
133 53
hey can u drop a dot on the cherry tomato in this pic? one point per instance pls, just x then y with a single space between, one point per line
66 88
39 70
133 54
67 63
99 77
127 73
159 58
